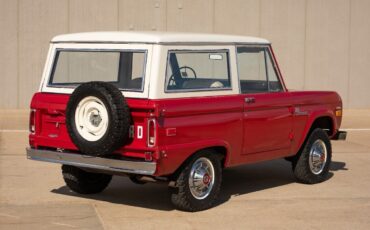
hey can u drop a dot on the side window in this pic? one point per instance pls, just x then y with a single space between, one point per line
256 71
274 82
197 70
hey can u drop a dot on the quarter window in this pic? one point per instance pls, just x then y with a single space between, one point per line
197 70
256 71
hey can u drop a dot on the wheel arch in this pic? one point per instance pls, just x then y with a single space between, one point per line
220 150
326 122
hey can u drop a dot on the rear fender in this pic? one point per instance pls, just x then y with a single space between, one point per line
177 155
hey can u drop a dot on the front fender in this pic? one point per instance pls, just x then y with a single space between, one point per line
312 117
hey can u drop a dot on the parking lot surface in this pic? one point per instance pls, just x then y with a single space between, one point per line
259 196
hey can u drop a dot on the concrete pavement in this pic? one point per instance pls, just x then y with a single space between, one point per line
259 196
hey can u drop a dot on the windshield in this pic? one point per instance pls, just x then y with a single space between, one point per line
124 69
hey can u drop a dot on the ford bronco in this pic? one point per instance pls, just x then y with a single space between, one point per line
175 108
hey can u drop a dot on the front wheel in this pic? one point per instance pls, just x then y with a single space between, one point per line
313 163
199 183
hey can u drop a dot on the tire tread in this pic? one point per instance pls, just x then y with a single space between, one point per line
78 180
182 198
301 166
118 111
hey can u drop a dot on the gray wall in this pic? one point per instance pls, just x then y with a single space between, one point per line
320 44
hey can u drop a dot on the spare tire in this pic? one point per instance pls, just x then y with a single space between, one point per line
97 118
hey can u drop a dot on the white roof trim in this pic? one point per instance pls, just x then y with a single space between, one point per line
154 37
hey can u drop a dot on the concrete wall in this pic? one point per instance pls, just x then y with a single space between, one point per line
320 44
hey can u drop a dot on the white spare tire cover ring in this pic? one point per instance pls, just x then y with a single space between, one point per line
91 118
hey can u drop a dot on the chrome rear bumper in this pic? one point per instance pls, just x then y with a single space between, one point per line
91 162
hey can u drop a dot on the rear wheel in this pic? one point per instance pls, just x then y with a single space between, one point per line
312 165
84 182
199 183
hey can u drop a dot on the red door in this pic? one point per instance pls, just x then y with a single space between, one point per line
267 106
267 123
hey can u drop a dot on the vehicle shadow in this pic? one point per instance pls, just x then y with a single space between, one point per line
256 177
236 181
253 178
337 165
122 191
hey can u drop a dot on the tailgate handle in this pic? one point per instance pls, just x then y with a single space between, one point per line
55 112
250 100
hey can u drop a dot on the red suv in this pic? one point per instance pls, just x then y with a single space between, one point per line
177 108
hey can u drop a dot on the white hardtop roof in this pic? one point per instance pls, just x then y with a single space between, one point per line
155 37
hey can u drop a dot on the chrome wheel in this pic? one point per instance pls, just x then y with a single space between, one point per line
317 157
201 178
91 118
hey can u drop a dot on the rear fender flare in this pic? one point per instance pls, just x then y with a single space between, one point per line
193 148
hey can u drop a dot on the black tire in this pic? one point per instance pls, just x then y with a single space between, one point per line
301 166
84 182
181 196
118 115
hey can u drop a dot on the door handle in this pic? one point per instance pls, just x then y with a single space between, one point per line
250 100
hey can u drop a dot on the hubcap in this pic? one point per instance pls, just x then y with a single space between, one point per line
91 118
95 119
318 157
202 178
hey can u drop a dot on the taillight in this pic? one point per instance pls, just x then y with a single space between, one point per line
32 123
151 132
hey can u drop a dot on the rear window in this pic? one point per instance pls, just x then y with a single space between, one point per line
124 69
197 70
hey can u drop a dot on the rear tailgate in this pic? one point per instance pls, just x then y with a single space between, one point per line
51 131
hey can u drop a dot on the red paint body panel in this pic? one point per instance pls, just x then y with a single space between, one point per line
200 123
51 129
317 104
267 123
264 130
